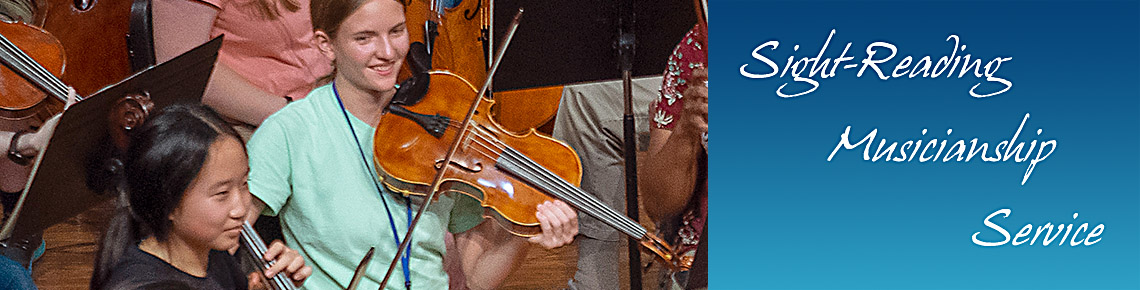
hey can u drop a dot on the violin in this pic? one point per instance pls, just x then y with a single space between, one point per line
25 82
425 149
29 92
94 28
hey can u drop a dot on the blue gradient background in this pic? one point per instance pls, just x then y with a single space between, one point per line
783 217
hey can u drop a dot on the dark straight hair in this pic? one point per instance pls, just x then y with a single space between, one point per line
164 157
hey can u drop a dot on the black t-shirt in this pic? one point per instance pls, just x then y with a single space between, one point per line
141 270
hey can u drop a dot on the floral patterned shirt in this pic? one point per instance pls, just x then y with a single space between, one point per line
688 55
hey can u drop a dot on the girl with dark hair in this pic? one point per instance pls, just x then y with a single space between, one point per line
309 166
266 61
181 207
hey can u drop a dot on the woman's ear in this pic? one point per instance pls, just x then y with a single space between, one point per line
324 44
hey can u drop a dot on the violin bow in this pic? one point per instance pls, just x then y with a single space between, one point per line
454 147
361 270
705 10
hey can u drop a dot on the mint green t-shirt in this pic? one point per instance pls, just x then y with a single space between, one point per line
308 170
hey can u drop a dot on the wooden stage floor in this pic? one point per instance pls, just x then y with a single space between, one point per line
67 263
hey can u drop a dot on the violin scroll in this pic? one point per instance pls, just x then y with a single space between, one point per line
129 112
674 261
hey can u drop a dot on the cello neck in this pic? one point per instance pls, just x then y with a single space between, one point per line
256 248
21 63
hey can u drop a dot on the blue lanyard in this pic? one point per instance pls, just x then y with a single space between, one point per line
396 235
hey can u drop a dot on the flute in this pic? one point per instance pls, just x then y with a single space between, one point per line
256 247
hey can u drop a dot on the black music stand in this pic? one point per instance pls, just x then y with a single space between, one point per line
72 174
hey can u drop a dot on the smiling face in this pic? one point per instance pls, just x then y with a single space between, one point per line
368 47
213 207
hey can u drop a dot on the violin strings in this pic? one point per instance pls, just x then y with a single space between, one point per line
22 61
596 205
36 72
12 57
490 152
610 213
546 185
491 141
523 166
591 206
488 143
553 187
479 150
50 82
571 193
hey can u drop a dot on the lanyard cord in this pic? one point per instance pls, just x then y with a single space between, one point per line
405 259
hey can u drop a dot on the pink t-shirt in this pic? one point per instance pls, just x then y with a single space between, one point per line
277 56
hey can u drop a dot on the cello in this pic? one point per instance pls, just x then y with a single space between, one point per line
426 151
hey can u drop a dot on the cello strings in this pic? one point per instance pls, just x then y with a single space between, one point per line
257 249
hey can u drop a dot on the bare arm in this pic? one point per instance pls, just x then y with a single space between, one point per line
670 174
33 142
489 253
180 25
30 144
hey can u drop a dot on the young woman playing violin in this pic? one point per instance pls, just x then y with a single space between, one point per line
185 198
311 165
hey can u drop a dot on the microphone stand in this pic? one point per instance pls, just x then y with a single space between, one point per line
626 45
